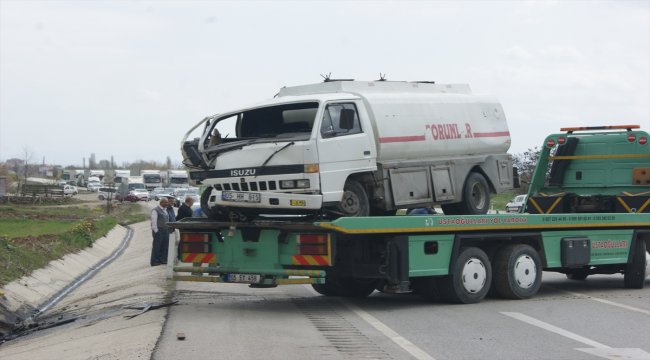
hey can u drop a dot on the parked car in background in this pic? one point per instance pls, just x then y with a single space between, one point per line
70 190
107 192
93 186
141 194
137 195
159 193
516 204
181 194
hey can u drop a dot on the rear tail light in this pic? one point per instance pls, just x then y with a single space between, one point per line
312 244
195 237
195 248
550 143
643 140
631 138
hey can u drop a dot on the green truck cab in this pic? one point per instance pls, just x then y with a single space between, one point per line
459 258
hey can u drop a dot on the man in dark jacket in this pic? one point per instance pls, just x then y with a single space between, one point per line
185 210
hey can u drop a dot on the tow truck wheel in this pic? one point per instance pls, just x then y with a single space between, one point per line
517 271
324 289
355 200
476 197
469 278
634 277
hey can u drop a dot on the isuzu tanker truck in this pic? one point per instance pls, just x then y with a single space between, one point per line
353 148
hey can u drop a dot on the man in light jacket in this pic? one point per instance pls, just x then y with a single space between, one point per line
160 232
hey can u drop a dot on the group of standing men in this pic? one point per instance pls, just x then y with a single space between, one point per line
161 215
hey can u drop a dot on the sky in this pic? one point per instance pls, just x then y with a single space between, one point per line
128 79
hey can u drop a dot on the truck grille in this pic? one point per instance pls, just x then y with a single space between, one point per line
248 186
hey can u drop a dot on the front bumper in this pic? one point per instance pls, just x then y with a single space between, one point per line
271 200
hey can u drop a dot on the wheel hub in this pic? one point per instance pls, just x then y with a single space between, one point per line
524 271
478 196
350 203
474 275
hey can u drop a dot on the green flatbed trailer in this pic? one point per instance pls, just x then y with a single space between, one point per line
588 212
458 258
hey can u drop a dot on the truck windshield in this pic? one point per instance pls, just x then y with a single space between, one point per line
151 178
287 120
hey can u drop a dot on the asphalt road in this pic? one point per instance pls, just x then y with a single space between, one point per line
591 319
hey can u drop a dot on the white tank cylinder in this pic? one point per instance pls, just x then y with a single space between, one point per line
425 125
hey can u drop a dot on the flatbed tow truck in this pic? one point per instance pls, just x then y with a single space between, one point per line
588 212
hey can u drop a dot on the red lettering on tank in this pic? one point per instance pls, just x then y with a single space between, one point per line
445 131
468 128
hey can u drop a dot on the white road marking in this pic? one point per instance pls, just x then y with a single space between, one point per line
596 349
584 296
389 333
555 329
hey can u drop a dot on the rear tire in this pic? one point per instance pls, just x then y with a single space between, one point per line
634 277
517 272
469 279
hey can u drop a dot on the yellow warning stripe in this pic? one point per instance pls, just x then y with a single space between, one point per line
593 157
548 195
627 208
310 260
207 258
316 273
557 201
548 211
474 228
536 205
645 205
635 194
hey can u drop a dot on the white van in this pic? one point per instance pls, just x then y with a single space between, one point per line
353 148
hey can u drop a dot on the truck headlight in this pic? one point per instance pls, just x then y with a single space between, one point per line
287 184
302 184
294 184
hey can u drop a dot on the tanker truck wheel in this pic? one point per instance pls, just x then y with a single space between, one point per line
476 197
355 200
212 213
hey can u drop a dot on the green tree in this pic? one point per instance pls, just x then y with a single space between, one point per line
525 163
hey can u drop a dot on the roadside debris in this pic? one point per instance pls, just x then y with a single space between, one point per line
146 307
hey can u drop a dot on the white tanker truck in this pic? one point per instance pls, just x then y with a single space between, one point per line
353 148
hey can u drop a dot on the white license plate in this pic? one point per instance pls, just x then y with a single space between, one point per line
237 196
244 278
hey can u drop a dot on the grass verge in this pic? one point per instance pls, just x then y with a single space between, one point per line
31 236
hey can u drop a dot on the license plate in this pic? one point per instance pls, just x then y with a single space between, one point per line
297 203
244 278
237 196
